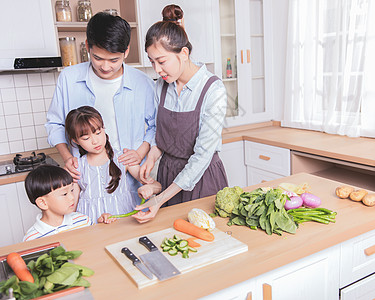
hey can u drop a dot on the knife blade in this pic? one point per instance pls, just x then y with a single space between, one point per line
156 261
137 263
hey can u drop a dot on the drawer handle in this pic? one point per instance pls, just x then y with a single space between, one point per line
264 157
263 181
267 291
241 56
370 250
249 296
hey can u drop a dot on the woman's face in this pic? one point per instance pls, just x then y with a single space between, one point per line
169 65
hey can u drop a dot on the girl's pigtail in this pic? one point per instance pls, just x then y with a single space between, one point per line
114 170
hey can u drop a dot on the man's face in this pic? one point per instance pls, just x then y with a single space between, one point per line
107 65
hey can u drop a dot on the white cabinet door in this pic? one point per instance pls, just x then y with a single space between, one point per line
10 217
28 211
243 291
199 25
246 38
361 290
357 258
256 176
232 155
311 278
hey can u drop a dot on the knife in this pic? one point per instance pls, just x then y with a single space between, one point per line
156 261
137 263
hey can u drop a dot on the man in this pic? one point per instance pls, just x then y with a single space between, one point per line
123 95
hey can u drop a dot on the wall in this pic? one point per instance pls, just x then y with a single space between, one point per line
24 101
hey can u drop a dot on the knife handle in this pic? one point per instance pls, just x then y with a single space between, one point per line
130 254
144 240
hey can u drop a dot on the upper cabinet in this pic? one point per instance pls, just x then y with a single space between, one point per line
199 25
246 39
74 28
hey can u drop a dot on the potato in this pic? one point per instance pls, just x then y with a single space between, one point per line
369 199
358 195
344 191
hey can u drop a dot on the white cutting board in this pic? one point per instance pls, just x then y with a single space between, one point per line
222 247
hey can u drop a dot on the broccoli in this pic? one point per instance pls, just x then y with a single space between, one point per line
226 200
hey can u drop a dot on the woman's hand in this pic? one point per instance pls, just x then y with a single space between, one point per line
145 191
130 157
71 165
153 205
105 218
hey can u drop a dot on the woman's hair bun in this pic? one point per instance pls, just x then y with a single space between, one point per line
172 13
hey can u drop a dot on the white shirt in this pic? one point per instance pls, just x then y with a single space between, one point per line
71 221
104 91
212 117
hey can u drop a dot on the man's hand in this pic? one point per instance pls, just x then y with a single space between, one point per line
71 165
130 157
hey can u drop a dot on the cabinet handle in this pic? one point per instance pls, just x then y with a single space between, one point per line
263 181
241 56
248 55
249 296
267 291
264 157
370 250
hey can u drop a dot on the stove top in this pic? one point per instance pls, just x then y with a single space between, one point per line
22 163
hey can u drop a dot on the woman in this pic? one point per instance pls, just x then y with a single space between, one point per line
191 111
173 13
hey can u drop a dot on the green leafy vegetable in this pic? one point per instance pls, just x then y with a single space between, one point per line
52 272
263 209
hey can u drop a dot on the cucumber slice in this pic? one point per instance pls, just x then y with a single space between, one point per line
171 242
185 254
182 249
166 248
183 243
176 238
192 249
173 251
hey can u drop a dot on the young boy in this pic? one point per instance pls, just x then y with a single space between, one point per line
51 189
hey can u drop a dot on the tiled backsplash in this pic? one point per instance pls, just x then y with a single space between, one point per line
24 101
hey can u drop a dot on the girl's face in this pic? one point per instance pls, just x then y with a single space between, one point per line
169 65
93 142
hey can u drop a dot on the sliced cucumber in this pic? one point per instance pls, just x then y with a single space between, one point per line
183 243
173 251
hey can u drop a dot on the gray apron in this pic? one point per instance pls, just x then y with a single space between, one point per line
176 133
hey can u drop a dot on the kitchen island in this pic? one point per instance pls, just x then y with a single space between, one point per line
265 253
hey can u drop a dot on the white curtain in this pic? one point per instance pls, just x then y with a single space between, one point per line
329 82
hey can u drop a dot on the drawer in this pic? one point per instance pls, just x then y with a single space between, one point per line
269 158
357 258
361 290
255 176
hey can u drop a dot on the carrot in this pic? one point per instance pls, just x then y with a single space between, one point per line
19 267
186 227
193 243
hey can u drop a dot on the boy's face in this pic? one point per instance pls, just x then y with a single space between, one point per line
61 201
105 64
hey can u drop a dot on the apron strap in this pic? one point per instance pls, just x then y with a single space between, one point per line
163 93
210 81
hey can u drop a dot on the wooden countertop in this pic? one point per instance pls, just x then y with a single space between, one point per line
265 252
358 150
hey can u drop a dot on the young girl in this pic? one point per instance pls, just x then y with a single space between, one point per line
103 182
191 113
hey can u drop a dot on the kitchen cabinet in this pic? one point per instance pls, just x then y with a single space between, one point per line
232 155
265 162
17 213
361 290
126 9
10 220
246 39
313 277
199 25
